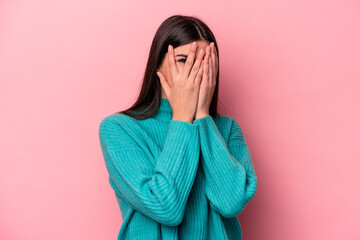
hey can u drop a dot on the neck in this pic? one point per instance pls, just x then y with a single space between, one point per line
164 112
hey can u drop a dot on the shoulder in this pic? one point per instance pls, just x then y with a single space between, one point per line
119 129
236 134
227 120
116 119
224 121
224 125
109 120
115 122
231 126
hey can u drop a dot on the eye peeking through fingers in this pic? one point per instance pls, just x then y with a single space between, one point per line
182 60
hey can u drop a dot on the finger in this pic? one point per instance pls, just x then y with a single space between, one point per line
171 59
215 57
190 59
213 54
200 73
208 53
197 65
211 69
206 66
164 83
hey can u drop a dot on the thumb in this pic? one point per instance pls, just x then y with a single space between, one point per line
164 83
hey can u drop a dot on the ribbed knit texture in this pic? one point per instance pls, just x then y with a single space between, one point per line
175 179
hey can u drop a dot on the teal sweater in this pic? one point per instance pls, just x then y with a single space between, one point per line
178 180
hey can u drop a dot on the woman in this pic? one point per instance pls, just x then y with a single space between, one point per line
179 169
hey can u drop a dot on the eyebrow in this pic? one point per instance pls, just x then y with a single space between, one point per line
181 55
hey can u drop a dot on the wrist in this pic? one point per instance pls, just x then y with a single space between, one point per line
201 115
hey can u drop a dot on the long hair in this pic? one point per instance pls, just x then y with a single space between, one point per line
176 30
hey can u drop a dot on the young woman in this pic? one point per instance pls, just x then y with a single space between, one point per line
179 169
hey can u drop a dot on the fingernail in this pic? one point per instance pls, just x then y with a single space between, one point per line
193 44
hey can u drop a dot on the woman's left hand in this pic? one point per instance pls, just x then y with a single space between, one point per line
208 82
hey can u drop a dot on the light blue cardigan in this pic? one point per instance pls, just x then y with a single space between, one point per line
175 179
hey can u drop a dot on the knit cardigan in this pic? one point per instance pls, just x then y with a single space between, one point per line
177 180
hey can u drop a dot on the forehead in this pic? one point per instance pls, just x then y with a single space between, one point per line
201 44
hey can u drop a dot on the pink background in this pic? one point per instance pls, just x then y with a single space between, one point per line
290 75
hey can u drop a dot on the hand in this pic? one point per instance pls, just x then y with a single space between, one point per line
208 82
184 93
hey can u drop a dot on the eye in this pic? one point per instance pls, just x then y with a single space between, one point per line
182 60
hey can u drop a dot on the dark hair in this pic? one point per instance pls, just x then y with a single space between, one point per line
176 30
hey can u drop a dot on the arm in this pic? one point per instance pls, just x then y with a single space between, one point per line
230 180
160 192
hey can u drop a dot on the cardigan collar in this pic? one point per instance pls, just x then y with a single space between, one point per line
164 112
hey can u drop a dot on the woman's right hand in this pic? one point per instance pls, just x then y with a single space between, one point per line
184 93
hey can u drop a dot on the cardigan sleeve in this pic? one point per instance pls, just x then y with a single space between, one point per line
159 190
230 179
